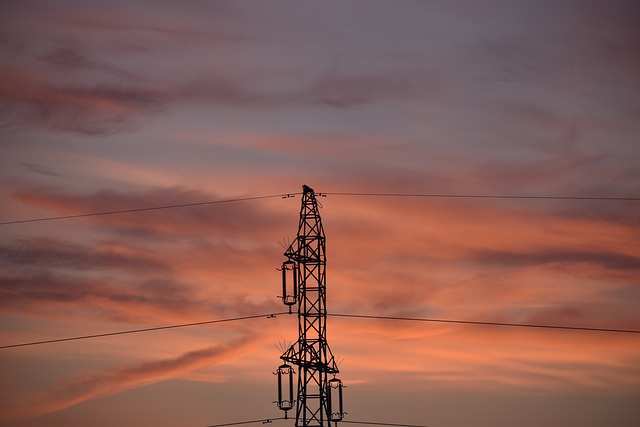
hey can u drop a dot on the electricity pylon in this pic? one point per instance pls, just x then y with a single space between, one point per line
319 400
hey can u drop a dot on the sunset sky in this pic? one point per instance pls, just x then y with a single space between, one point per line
130 104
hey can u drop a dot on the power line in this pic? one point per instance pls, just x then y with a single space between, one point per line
483 196
381 424
473 322
355 316
134 331
264 421
151 208
423 195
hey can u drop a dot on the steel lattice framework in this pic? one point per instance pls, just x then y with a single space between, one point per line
311 352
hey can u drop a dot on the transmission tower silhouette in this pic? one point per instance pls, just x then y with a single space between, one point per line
318 400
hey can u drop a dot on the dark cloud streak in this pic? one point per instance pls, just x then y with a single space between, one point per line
143 301
123 277
610 260
26 100
51 253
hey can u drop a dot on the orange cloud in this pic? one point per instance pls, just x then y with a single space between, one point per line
75 391
416 257
484 358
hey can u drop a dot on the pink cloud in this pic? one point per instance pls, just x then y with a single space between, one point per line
442 245
416 257
28 98
74 391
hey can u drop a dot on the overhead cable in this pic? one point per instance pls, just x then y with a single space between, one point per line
483 196
150 208
286 195
481 323
135 331
355 316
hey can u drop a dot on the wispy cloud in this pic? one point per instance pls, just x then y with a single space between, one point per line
497 249
223 219
50 254
118 276
119 285
439 355
93 109
74 391
70 58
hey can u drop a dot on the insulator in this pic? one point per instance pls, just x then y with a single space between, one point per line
334 400
289 283
285 387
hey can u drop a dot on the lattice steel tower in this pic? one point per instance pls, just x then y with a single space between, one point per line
319 399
